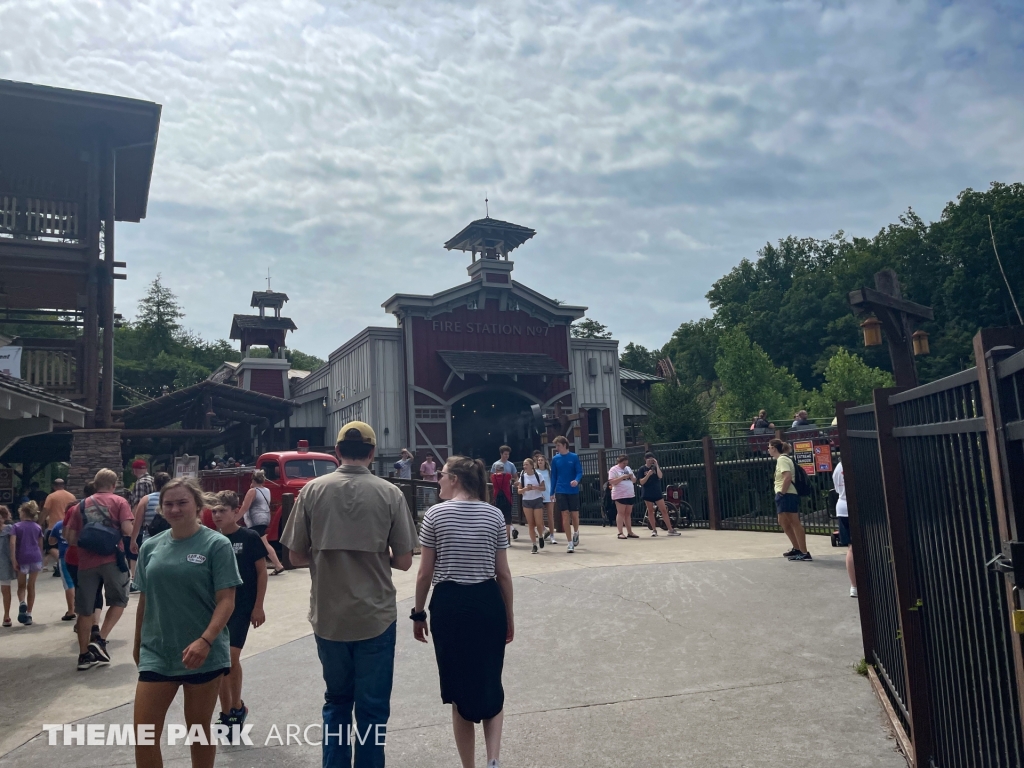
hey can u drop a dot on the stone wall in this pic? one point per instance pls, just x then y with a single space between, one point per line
91 451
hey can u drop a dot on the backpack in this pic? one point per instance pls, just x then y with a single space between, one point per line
800 480
157 525
97 536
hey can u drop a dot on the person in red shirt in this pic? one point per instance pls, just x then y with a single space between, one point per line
104 510
501 495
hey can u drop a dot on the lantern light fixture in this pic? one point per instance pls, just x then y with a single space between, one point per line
872 328
920 339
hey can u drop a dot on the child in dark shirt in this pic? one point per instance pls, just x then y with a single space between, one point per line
250 555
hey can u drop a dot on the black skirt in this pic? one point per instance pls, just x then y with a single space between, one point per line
469 626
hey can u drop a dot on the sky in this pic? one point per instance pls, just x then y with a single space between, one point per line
652 145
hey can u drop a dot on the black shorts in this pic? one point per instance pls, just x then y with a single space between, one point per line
126 541
198 678
629 501
567 502
260 530
238 626
844 531
787 502
506 508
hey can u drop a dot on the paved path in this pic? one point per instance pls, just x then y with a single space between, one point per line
705 650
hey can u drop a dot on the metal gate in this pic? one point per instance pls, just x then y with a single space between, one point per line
932 512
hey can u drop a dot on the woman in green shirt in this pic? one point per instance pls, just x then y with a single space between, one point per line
787 500
187 577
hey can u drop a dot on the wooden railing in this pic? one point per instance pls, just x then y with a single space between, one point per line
54 370
40 218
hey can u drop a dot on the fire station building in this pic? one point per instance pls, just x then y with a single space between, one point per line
462 368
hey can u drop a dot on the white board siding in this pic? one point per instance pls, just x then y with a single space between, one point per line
367 383
602 390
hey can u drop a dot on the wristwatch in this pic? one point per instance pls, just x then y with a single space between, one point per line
421 616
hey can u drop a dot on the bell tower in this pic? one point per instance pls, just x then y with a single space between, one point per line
490 241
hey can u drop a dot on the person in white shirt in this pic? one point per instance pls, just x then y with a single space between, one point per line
621 479
541 463
531 491
843 518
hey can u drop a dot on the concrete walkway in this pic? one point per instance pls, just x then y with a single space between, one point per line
704 650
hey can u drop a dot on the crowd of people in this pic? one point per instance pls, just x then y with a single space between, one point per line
197 563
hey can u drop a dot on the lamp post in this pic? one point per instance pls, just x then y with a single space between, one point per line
895 316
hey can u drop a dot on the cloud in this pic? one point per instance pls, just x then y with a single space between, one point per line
341 143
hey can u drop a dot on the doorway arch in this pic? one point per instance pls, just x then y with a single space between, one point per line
484 420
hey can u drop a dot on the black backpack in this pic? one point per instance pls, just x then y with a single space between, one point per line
800 480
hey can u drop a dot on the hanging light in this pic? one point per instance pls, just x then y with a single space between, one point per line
872 328
920 339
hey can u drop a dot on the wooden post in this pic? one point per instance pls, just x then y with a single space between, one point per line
711 474
106 404
857 538
918 690
90 330
990 346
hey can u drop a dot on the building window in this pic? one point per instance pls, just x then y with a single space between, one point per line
431 414
632 425
594 426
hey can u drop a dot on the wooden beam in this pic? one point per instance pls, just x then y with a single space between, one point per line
157 434
868 299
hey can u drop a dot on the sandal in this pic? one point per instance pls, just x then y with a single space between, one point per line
277 572
632 536
621 536
7 623
68 617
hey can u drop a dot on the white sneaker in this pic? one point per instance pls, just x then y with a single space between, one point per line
674 532
576 538
853 591
551 539
492 764
570 549
654 534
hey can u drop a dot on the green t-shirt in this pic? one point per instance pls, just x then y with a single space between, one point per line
180 578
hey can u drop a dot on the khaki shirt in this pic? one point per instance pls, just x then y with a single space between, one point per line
345 522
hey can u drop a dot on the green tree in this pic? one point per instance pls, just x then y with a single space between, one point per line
751 381
693 350
847 377
589 329
637 357
678 412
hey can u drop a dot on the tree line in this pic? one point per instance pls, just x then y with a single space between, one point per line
782 336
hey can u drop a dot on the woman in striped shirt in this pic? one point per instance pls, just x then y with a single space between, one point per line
464 543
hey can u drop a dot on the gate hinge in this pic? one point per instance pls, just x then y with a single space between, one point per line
1010 562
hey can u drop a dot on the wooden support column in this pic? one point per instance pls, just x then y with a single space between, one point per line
711 475
90 331
918 687
857 538
106 404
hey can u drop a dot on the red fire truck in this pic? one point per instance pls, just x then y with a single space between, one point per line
286 471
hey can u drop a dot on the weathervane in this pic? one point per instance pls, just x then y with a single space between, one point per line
487 210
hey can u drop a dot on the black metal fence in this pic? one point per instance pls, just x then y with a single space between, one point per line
932 474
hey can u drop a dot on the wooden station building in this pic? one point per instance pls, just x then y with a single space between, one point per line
460 372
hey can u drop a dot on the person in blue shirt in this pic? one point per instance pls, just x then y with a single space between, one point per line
566 474
57 540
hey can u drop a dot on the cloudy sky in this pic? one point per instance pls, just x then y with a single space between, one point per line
652 145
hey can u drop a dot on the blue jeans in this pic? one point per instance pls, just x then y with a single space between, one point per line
358 673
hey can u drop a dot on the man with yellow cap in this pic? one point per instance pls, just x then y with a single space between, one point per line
352 528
